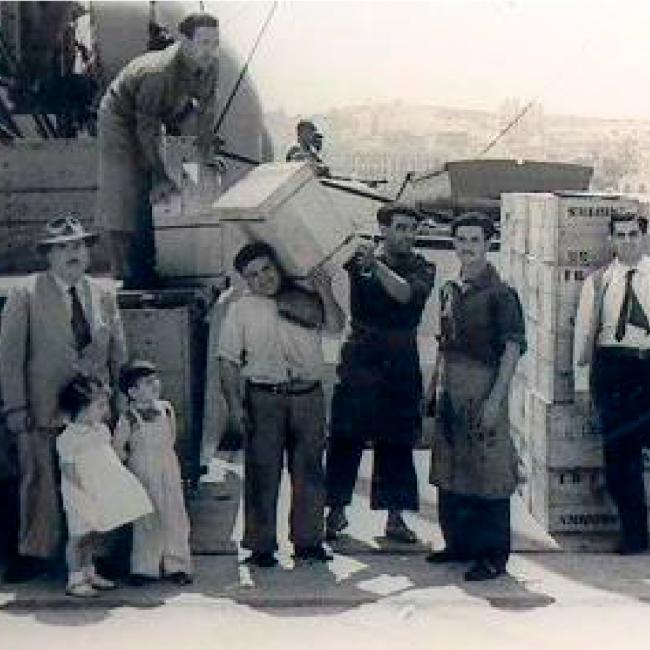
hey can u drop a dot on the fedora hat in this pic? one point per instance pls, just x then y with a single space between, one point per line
62 230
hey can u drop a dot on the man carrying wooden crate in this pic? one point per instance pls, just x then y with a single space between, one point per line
612 336
152 91
271 363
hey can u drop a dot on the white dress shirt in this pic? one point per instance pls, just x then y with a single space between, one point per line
614 279
82 293
269 349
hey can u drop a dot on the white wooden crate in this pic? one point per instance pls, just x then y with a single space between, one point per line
553 293
571 500
189 236
571 230
549 382
554 346
514 221
286 206
565 435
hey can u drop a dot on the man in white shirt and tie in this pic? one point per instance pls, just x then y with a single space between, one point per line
612 336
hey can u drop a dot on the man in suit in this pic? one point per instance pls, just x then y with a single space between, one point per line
59 323
612 336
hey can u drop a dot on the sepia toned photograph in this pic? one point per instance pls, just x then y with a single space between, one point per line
324 324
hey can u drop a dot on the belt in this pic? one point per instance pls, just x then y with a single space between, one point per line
295 387
624 353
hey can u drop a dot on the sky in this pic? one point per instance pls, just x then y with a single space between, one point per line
576 57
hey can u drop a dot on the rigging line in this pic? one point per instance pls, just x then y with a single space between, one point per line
441 170
226 108
236 15
507 128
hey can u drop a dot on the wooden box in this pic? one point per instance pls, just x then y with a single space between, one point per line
565 435
285 205
167 327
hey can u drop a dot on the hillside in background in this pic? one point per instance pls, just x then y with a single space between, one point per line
388 140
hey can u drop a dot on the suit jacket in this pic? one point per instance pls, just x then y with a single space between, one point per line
38 356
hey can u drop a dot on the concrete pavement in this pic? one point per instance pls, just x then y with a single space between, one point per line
371 595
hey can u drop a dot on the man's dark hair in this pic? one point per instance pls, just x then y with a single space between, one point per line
133 372
474 219
306 125
250 252
191 23
625 217
386 213
79 393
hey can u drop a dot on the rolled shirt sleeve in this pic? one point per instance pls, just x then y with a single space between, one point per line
421 280
510 319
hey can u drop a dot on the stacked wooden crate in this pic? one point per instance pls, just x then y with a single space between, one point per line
550 244
41 180
191 242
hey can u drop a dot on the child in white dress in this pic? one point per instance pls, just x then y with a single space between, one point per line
99 493
144 438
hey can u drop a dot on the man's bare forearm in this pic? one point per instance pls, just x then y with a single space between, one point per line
231 382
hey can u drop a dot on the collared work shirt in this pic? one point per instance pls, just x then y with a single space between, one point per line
478 319
613 288
268 348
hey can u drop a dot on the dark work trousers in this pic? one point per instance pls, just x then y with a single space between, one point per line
620 387
295 425
477 527
9 519
394 484
133 253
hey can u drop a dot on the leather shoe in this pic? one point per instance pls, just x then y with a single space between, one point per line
140 580
631 548
24 569
335 523
483 570
180 578
445 555
400 532
262 559
312 553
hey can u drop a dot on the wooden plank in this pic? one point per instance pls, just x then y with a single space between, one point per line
18 250
55 163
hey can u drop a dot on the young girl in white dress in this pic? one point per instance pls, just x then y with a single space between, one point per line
99 493
144 438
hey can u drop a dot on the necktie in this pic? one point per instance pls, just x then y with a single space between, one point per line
625 306
80 326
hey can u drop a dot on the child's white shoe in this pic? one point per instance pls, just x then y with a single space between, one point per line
97 581
103 584
81 590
